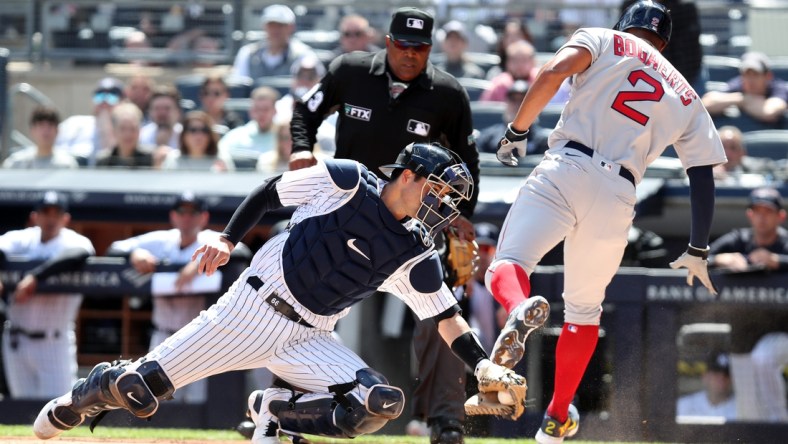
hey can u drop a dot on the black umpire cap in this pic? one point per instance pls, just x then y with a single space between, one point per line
53 199
412 25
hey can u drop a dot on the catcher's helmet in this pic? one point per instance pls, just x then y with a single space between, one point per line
648 15
447 177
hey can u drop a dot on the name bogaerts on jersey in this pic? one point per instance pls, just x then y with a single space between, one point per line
626 46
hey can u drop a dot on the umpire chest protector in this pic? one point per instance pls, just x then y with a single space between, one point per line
331 261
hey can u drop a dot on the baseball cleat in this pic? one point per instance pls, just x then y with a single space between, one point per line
56 417
553 432
266 424
529 315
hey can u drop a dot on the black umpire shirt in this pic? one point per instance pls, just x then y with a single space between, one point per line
373 127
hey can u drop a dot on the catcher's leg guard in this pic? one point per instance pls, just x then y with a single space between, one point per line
526 317
107 387
344 415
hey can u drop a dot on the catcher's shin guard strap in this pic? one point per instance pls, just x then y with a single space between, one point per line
468 349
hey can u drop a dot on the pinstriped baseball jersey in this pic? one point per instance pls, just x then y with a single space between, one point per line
640 87
243 331
41 367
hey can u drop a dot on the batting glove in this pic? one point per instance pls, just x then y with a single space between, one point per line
510 144
697 265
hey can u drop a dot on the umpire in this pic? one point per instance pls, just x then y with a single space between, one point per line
386 100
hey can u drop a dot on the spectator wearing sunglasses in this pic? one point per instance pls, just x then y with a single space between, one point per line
213 95
386 100
199 147
127 153
355 34
85 136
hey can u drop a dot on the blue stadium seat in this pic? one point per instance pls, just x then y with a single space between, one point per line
485 114
240 106
771 144
279 83
474 87
189 87
550 115
721 68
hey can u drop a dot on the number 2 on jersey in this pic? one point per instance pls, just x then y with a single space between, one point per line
620 104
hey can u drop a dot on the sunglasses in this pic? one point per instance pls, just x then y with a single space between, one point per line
348 34
404 45
214 93
198 129
106 97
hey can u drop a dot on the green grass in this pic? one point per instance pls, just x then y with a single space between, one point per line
229 435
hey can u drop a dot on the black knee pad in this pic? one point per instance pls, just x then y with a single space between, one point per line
156 379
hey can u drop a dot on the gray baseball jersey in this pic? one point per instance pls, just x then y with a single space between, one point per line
41 356
625 108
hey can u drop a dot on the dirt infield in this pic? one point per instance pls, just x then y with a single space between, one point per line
18 440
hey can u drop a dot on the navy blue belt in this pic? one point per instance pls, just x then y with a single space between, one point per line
278 303
623 172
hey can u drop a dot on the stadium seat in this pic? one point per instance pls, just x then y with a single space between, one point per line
279 83
240 106
744 122
550 116
474 87
486 114
771 144
721 68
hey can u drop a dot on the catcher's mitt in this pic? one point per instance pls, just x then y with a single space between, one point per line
493 379
462 259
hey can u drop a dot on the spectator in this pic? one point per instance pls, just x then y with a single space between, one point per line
84 137
213 95
199 147
762 246
769 358
138 90
717 397
307 72
164 110
43 130
189 218
247 142
355 34
39 342
513 30
454 44
392 98
277 160
520 65
276 53
739 162
128 153
756 92
487 140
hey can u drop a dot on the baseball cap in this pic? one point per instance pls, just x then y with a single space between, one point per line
718 362
278 14
411 24
486 233
53 199
756 61
110 85
189 198
457 27
769 197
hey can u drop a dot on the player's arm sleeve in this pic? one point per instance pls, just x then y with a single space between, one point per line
310 110
702 204
262 199
68 260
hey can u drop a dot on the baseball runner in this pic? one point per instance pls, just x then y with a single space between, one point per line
350 234
39 343
627 104
189 216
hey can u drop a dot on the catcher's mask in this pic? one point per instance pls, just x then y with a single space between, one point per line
448 182
648 15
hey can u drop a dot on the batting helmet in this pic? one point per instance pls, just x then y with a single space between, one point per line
447 177
648 15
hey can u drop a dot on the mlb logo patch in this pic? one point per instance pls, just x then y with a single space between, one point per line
415 23
605 165
418 128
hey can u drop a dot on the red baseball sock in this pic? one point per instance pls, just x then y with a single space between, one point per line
575 347
510 285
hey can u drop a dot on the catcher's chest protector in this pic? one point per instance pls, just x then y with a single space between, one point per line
334 260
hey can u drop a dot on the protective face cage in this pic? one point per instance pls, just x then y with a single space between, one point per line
444 193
